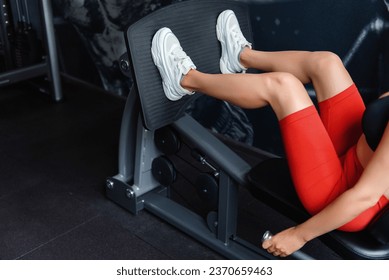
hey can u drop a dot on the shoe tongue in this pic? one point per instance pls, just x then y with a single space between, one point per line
237 35
184 62
178 53
186 65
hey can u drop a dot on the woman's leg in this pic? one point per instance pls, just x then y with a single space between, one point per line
324 70
341 106
282 91
314 164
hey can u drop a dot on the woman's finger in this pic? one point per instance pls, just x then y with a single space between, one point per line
266 244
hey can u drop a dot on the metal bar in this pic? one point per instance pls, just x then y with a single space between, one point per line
22 74
127 141
226 159
227 209
53 64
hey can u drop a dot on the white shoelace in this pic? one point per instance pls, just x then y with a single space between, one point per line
183 61
238 37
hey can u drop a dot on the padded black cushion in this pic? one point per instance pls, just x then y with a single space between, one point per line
374 121
194 23
271 183
379 228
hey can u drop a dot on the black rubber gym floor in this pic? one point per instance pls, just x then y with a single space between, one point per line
54 158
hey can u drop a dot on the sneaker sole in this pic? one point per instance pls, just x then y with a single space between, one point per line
219 32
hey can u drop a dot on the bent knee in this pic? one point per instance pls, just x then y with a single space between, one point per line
288 94
326 61
283 82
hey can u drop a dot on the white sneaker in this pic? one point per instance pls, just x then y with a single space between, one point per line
172 63
232 42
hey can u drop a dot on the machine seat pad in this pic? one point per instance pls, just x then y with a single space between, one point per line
379 228
270 181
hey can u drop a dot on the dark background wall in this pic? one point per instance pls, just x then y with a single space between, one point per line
352 29
90 41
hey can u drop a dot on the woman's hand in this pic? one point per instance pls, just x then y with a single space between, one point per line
284 243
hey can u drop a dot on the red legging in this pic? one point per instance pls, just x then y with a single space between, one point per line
321 153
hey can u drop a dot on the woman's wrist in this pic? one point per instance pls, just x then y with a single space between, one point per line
303 233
